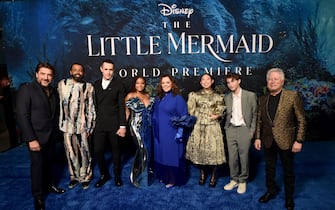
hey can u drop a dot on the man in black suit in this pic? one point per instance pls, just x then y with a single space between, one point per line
110 121
37 105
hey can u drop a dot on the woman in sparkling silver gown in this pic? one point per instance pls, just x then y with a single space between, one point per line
139 106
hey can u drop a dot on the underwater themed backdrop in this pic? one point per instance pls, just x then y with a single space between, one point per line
184 38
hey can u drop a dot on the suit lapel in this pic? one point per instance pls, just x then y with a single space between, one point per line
243 104
230 102
266 104
42 94
280 104
54 101
103 93
109 87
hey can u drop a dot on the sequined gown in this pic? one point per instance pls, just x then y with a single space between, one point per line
140 129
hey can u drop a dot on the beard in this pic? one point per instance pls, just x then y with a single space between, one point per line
77 77
44 82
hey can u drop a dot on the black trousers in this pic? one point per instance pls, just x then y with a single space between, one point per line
100 140
287 160
41 169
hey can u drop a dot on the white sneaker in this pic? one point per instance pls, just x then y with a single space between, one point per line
231 185
242 188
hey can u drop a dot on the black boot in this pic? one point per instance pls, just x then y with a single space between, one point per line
202 178
212 182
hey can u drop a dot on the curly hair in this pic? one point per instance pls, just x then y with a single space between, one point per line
174 89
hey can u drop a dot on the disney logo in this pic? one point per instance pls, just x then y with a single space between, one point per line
173 10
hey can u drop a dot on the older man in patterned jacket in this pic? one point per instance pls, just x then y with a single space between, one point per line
281 130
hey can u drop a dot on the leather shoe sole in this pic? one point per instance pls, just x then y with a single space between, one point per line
266 197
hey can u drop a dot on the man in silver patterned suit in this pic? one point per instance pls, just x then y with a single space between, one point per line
77 121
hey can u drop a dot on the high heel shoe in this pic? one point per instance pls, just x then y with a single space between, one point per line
212 182
202 177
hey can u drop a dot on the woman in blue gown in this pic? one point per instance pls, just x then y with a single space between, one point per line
169 152
139 107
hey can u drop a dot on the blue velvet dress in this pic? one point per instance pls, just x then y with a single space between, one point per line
141 132
168 153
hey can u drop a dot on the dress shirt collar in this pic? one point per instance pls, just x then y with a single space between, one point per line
239 94
105 83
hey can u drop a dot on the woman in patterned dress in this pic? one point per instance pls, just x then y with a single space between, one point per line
138 114
205 146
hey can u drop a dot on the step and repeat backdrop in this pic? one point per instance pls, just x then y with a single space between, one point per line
184 39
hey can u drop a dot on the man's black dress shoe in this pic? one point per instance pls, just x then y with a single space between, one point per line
54 189
102 180
85 185
39 204
266 197
73 183
289 204
118 182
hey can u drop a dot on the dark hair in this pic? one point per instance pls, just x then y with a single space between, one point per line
45 65
174 89
233 76
107 61
79 65
213 85
133 85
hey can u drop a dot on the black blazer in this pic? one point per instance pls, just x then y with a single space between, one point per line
37 114
109 106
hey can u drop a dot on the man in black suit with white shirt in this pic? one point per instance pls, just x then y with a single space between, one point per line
110 121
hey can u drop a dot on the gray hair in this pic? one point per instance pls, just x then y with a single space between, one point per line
278 70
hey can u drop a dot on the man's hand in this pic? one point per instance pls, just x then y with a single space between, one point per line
34 146
121 132
296 147
258 144
214 116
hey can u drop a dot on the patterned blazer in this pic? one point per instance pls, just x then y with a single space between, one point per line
77 112
288 125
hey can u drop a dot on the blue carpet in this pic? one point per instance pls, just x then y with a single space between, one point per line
315 186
